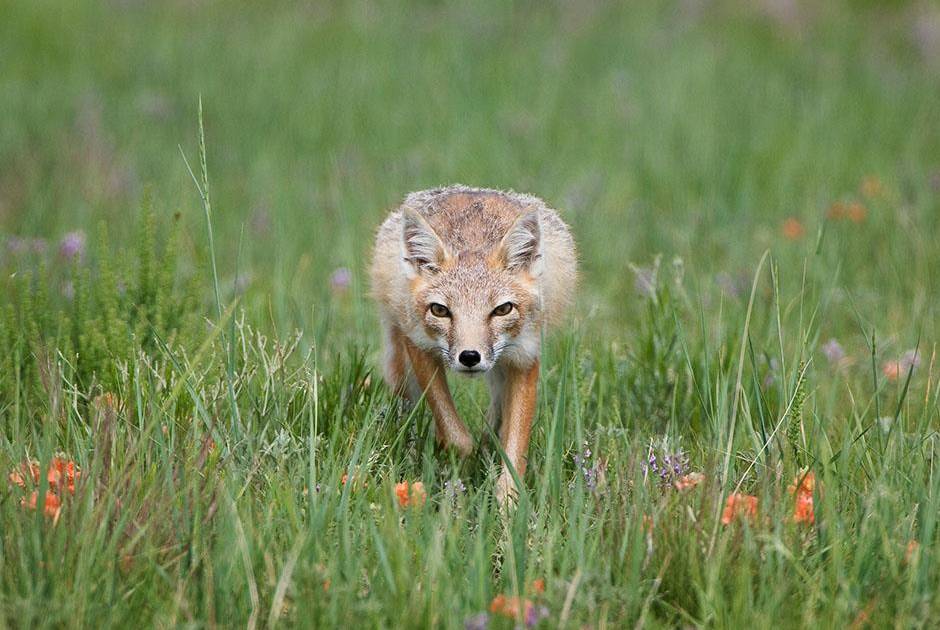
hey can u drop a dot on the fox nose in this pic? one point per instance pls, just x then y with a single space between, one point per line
469 357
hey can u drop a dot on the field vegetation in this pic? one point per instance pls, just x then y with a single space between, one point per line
737 427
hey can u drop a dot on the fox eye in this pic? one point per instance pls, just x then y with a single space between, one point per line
503 309
438 310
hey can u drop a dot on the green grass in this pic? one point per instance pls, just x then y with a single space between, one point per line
676 136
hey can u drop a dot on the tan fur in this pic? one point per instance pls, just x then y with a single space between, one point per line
518 410
470 250
431 379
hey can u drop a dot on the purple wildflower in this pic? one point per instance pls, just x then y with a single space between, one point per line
72 246
479 621
926 33
535 614
909 360
733 285
16 245
726 284
340 279
38 245
453 490
242 282
667 468
784 13
591 470
833 351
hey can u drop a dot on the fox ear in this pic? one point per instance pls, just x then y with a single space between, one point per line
519 249
423 250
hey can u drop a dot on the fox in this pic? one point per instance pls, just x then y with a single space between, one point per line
467 280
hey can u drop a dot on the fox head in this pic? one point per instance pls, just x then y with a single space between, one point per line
475 306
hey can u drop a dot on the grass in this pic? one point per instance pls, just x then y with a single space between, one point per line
214 398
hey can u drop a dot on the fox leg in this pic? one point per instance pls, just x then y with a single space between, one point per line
520 386
398 374
430 377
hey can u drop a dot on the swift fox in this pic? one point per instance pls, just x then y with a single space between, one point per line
466 279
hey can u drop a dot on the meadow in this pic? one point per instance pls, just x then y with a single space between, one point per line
737 426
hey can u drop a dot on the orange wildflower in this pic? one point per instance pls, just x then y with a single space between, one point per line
792 229
802 488
52 507
510 606
803 510
739 506
863 617
26 470
62 473
538 586
837 211
892 370
410 495
402 492
355 479
911 550
804 483
856 212
689 481
60 476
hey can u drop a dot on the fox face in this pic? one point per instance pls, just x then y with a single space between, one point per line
475 306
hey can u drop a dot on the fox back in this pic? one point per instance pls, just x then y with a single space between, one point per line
474 275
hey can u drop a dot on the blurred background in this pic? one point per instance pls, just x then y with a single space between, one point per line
704 131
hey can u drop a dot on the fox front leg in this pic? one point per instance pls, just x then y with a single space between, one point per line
398 376
519 389
432 381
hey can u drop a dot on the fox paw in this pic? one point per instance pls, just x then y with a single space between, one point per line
506 492
462 444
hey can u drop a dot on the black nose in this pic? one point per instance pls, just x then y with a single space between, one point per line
469 357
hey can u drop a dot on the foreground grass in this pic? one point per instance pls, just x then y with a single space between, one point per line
212 441
186 511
